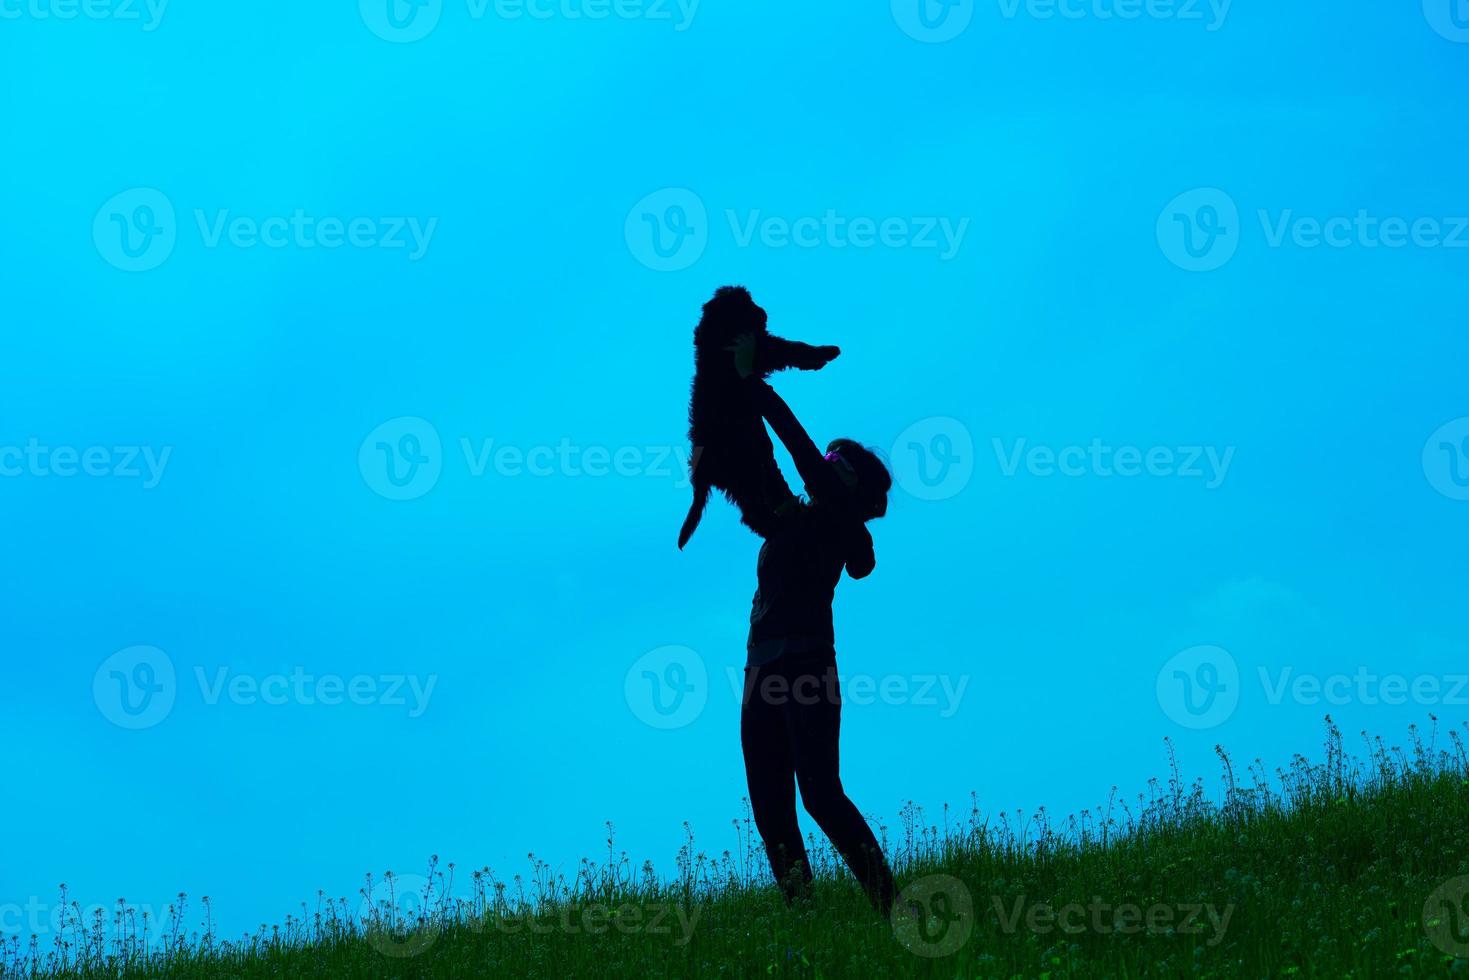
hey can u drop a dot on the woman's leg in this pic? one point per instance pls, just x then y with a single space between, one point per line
814 719
771 775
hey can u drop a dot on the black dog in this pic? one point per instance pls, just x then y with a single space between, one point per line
731 449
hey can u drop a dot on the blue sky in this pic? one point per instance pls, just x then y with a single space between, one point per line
338 235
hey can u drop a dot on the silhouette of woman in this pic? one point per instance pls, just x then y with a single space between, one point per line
790 719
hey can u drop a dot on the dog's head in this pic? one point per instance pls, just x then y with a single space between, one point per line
729 314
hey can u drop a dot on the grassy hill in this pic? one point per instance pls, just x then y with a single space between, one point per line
1346 868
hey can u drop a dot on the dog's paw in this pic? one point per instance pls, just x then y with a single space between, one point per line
824 356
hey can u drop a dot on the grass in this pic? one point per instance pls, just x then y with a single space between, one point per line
1351 867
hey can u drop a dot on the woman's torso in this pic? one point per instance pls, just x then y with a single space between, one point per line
797 573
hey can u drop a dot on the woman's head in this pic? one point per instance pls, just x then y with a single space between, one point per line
864 473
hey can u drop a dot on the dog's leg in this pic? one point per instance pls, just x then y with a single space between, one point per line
760 490
776 354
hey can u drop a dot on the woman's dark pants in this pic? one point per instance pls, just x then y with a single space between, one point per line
790 724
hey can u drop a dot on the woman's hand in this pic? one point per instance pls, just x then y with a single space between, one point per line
744 354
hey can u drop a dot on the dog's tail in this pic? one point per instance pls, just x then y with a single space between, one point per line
696 513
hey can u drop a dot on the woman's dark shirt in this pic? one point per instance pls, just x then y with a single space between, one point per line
800 564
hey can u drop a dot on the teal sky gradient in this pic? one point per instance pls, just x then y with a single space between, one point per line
1331 545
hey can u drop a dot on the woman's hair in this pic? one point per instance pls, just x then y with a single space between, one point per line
873 478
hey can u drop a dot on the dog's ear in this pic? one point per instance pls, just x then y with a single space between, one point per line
730 298
728 301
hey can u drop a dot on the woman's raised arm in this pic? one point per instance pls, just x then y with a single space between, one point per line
821 480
